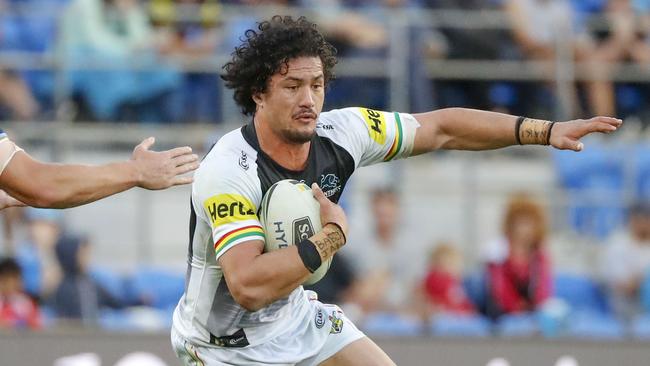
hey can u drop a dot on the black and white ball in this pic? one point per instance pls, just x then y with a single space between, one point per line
289 214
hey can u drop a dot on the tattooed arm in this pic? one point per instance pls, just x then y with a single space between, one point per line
256 279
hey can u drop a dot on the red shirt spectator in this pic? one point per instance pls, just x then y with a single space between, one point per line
443 284
17 310
520 285
521 280
446 293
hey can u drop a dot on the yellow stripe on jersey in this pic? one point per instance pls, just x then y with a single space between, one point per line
376 123
397 142
247 232
228 208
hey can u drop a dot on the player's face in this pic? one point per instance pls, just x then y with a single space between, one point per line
294 99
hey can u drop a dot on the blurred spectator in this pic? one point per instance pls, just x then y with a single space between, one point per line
626 260
192 29
17 310
469 43
537 25
116 35
521 280
36 255
388 264
15 97
443 284
79 296
356 29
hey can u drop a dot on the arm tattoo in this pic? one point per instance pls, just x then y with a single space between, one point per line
535 131
330 244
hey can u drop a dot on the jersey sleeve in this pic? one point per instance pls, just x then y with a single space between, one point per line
226 198
7 150
372 136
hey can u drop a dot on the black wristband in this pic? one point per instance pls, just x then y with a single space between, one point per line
345 239
517 127
548 135
309 255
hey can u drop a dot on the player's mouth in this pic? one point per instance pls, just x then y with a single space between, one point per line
305 117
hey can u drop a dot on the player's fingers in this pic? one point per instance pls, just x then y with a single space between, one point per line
185 159
187 167
318 194
601 127
570 144
146 143
179 151
607 120
179 181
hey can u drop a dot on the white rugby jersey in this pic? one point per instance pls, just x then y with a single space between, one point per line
7 150
226 194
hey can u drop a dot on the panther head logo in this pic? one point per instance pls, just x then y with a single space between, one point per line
329 181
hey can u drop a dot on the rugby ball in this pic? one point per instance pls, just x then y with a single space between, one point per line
289 214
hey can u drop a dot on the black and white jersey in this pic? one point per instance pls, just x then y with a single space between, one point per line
226 194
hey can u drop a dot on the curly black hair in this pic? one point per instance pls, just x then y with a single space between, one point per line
267 50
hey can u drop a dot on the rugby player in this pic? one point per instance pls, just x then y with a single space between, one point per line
244 306
27 181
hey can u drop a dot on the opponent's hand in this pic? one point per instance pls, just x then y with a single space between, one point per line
7 201
160 170
567 135
330 211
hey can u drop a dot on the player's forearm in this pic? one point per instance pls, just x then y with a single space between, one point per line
276 274
74 185
269 277
65 185
463 129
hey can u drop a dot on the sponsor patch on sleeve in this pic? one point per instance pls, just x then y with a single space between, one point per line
228 208
376 122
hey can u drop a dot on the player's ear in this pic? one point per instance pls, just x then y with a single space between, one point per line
257 98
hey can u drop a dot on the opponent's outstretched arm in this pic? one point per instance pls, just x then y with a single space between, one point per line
41 184
470 129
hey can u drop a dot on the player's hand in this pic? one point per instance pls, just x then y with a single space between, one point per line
567 135
160 170
7 201
330 211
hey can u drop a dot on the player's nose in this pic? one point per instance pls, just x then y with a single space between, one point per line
307 98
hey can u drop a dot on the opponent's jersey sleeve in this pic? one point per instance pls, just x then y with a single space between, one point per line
370 136
7 150
226 197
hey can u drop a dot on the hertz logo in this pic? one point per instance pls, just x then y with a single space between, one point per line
228 208
376 123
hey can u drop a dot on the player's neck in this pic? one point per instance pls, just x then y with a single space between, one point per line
289 155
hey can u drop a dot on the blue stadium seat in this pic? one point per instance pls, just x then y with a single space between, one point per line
161 288
640 327
597 170
391 324
449 325
115 320
581 293
475 285
596 326
644 293
110 281
642 155
135 319
517 325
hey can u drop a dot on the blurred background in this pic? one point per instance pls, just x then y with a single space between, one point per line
525 255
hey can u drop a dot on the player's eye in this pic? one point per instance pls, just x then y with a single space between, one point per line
292 87
317 86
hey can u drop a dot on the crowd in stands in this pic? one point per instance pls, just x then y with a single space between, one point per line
125 60
383 280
